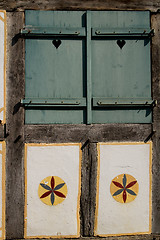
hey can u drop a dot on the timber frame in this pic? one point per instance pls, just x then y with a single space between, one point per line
16 134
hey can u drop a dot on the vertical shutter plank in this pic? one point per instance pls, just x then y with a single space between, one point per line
55 116
89 83
62 72
55 72
55 18
121 72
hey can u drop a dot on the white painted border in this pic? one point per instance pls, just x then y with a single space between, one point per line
110 218
51 170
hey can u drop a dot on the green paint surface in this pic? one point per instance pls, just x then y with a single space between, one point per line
88 66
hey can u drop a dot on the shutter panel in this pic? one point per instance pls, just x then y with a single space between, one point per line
120 74
87 67
55 72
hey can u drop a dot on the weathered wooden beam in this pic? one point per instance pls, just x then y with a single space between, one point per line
14 128
88 135
153 6
2 132
92 186
85 193
82 133
135 237
155 22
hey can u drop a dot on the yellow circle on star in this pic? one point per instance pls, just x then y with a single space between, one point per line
124 188
52 190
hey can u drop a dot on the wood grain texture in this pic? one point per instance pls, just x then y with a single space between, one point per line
88 196
14 130
82 133
2 132
139 237
85 194
81 5
89 135
155 21
92 184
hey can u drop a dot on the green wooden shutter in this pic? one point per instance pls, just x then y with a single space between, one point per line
120 75
100 73
55 75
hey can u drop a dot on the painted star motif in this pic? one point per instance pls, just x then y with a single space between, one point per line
53 190
123 188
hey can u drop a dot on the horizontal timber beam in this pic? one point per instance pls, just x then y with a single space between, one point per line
153 6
